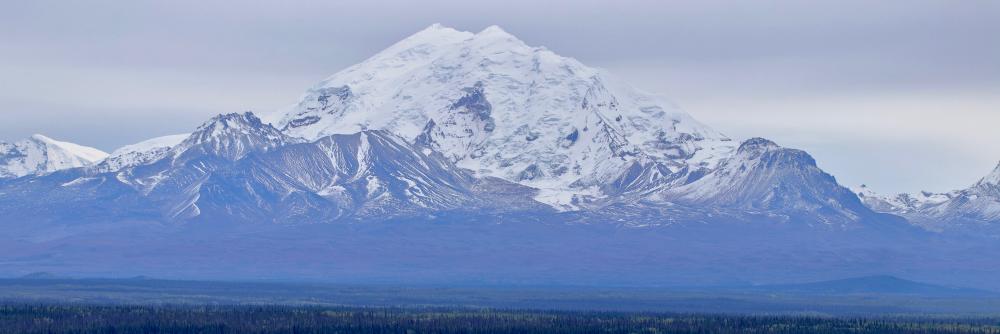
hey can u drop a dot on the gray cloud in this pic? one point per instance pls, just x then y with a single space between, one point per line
898 94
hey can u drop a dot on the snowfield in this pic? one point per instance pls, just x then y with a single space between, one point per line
39 155
501 108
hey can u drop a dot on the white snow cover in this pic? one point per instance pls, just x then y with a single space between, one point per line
140 153
977 204
898 203
993 178
502 108
232 136
40 155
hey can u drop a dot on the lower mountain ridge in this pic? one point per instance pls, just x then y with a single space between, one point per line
973 211
237 198
237 168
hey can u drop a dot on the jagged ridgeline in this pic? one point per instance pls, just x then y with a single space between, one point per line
443 120
973 211
455 127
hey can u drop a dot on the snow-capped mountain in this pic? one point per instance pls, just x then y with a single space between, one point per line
501 108
975 209
140 153
902 204
176 179
237 168
762 177
39 155
159 184
446 120
231 136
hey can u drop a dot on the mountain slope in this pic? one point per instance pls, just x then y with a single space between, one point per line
237 168
764 178
140 153
499 107
41 155
164 189
371 175
175 181
974 210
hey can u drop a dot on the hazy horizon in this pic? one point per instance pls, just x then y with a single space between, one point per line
900 95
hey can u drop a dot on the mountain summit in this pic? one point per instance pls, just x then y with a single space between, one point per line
232 136
499 107
765 177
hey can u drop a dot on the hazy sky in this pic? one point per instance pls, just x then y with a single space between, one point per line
901 95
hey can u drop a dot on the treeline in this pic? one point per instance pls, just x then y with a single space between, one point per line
291 319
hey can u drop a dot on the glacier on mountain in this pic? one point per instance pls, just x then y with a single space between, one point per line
501 108
39 155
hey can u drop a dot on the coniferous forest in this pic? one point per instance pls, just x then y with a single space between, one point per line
38 318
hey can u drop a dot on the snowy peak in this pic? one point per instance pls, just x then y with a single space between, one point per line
436 33
757 146
993 179
39 155
494 34
181 180
495 31
501 108
231 136
73 151
763 176
41 138
763 153
220 124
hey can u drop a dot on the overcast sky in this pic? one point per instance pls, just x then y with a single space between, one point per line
901 95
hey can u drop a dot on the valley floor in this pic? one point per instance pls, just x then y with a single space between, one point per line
863 297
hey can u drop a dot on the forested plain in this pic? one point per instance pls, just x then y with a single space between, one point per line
81 318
